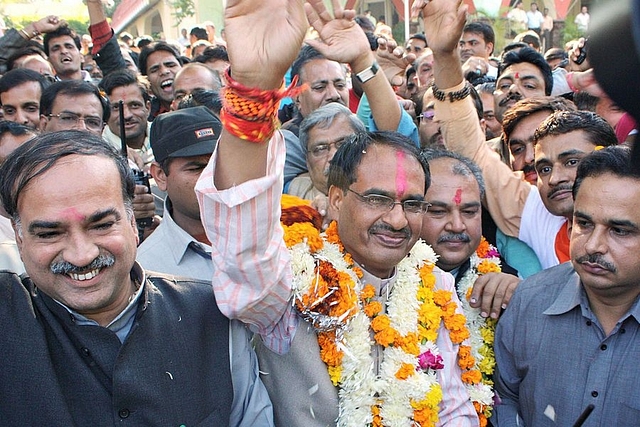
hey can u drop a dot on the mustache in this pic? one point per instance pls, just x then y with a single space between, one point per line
597 259
64 267
375 228
528 168
454 237
513 97
564 187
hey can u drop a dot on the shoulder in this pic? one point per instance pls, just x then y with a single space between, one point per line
542 288
172 284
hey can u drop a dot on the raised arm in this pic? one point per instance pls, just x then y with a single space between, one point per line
459 124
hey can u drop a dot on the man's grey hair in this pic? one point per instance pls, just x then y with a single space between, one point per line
463 165
324 118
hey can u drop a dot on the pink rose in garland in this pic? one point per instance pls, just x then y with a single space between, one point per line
428 360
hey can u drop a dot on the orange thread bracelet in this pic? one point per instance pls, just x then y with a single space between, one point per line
251 114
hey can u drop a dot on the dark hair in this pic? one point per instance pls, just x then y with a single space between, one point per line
14 128
418 36
344 165
208 98
35 157
33 48
73 88
596 129
464 166
477 101
20 76
199 33
125 77
526 107
153 48
213 53
365 23
615 160
306 54
144 41
513 46
585 101
62 31
479 27
528 55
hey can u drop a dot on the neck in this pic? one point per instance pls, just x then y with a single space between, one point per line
192 226
138 142
610 306
106 316
73 75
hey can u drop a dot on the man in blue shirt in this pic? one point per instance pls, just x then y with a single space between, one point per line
569 338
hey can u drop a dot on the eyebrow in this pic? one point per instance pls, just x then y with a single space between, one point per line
520 141
561 156
93 218
611 222
380 192
462 205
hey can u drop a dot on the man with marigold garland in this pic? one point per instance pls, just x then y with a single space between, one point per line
453 228
371 314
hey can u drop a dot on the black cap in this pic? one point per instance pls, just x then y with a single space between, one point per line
184 133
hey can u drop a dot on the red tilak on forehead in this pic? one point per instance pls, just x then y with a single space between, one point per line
73 214
517 75
401 176
457 199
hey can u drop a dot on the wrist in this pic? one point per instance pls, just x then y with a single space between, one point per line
29 31
362 63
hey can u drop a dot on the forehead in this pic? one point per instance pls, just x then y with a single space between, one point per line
445 183
131 92
527 125
609 197
339 128
382 165
60 40
321 69
160 56
468 36
24 91
523 69
83 104
552 147
74 181
416 42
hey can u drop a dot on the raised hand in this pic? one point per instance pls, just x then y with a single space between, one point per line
341 38
443 22
263 39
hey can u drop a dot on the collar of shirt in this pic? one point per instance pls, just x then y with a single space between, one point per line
382 286
122 324
574 295
181 241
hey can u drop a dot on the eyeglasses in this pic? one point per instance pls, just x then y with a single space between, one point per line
322 150
383 204
427 115
71 119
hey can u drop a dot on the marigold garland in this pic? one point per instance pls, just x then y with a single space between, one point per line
329 294
479 359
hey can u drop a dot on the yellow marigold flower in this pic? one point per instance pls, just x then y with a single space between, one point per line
424 293
425 412
405 371
471 377
488 267
488 334
487 366
373 308
335 372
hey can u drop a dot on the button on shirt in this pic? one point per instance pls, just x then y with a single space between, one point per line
554 359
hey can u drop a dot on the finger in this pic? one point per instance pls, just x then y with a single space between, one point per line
141 189
498 299
313 18
338 11
320 9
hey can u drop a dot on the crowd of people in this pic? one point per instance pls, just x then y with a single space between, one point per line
310 224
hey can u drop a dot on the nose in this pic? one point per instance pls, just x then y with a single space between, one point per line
332 93
529 154
455 223
558 175
595 243
80 250
21 117
396 217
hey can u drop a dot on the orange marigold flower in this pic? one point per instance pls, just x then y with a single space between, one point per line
459 336
385 337
373 308
441 297
368 292
405 371
483 248
425 417
329 352
471 377
456 322
288 201
380 322
409 343
488 267
332 234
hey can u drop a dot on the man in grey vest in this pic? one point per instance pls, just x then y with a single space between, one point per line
89 337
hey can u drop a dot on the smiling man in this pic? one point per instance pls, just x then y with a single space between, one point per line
20 92
89 337
568 331
160 62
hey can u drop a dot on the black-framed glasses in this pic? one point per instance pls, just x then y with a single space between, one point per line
322 150
71 119
383 204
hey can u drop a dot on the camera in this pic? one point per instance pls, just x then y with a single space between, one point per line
142 178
